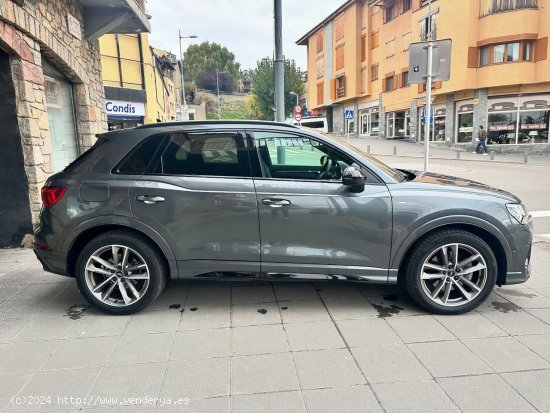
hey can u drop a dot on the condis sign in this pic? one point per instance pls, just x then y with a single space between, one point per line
121 108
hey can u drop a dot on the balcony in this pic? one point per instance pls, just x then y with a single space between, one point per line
114 16
489 7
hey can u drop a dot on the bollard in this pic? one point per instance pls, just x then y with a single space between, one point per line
457 154
395 150
492 155
524 158
368 148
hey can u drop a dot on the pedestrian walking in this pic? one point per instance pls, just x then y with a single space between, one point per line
482 138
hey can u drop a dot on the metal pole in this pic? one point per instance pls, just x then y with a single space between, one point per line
218 89
429 77
279 63
182 108
347 123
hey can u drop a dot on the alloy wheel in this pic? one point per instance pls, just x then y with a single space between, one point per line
453 274
117 275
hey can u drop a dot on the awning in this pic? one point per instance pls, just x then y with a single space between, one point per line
114 16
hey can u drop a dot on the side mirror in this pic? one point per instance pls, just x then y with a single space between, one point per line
353 178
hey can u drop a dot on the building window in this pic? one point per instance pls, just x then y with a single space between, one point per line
389 13
364 48
320 67
506 53
405 79
375 39
390 48
320 41
406 6
426 25
406 41
498 6
320 93
364 80
425 2
340 57
340 87
364 15
389 84
339 27
374 71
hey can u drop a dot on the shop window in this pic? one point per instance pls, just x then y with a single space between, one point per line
465 127
533 126
340 57
320 41
390 48
502 128
375 40
389 13
406 6
374 71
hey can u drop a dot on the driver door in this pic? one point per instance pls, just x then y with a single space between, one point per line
310 223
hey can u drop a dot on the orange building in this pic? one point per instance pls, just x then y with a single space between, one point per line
358 58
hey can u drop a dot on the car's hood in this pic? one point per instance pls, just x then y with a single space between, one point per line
459 184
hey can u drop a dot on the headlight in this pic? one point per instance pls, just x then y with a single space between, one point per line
519 212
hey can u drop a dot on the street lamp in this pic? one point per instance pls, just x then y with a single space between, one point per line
297 97
183 110
218 90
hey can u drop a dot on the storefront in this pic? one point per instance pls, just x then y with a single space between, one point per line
464 121
398 124
518 120
369 120
437 128
123 115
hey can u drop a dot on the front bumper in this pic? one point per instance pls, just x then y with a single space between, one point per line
520 269
51 261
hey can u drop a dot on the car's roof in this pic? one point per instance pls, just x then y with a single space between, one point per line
215 123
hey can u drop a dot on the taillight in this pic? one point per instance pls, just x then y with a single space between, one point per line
51 195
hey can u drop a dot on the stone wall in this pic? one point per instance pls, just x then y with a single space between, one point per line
26 33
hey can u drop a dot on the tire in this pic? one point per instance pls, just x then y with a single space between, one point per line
143 280
423 272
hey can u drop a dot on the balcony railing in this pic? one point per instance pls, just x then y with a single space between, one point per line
499 6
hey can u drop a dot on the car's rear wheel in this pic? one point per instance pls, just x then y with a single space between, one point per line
450 272
120 273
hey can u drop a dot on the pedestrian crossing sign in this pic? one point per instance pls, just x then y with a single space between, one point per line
349 114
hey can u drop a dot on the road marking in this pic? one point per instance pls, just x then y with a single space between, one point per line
540 214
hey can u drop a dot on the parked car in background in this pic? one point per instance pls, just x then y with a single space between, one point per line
315 122
261 200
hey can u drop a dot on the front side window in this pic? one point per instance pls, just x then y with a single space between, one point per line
210 154
298 157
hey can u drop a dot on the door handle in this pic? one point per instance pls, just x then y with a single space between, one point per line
150 199
275 202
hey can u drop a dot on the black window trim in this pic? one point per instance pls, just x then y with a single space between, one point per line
253 157
242 140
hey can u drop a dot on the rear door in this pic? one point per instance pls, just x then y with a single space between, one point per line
199 195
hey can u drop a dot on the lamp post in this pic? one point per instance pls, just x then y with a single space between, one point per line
297 97
218 91
183 103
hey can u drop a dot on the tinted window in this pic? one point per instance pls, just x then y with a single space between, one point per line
318 124
139 159
213 154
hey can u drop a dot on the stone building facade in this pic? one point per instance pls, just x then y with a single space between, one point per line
52 94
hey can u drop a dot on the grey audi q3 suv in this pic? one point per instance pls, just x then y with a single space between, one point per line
263 200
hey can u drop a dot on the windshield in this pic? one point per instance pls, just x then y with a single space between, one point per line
394 173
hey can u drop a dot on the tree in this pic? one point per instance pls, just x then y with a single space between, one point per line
210 57
263 86
208 81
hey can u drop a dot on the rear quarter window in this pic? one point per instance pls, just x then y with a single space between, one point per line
139 158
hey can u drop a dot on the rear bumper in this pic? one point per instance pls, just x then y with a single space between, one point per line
54 262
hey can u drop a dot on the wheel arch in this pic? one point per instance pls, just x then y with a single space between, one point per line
85 233
493 238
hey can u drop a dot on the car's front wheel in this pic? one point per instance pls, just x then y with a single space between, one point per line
120 273
450 272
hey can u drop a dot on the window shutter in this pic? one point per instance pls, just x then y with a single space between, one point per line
398 82
437 85
541 49
421 87
384 85
473 57
333 89
416 5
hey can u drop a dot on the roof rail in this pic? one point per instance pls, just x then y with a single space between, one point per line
215 122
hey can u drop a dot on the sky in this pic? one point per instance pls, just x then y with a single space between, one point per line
245 27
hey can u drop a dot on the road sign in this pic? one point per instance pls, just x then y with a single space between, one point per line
418 61
297 117
424 117
349 114
297 109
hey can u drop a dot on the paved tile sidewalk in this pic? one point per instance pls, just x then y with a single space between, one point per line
262 347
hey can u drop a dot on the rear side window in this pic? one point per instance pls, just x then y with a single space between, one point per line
210 154
140 157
